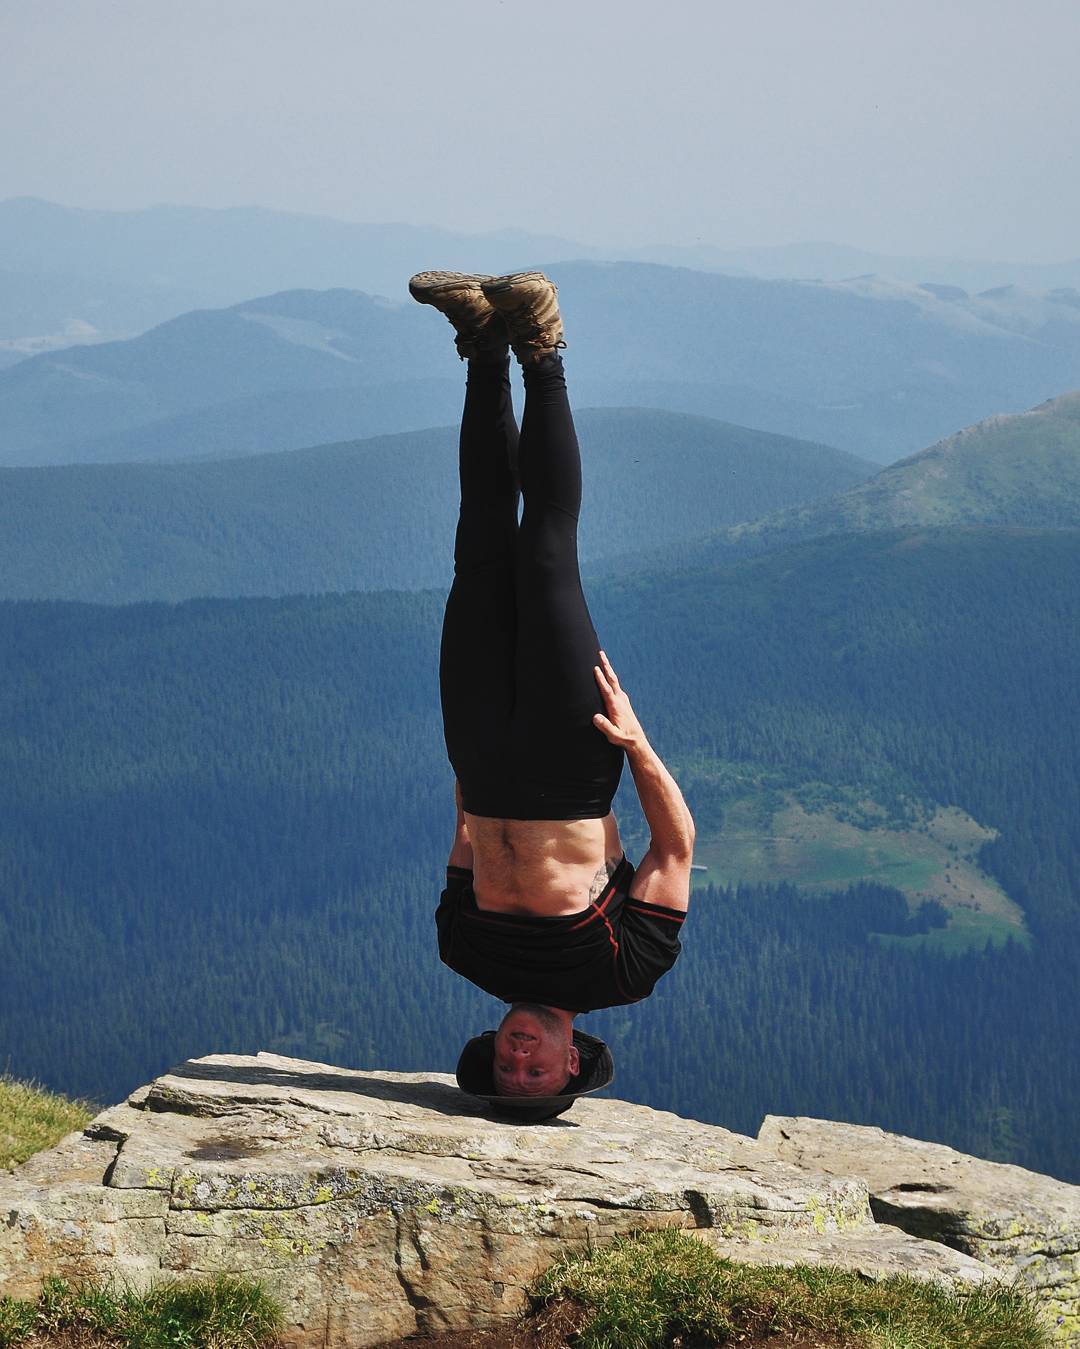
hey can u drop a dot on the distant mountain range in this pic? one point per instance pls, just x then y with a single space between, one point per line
876 369
373 514
123 271
53 406
839 262
1021 470
120 272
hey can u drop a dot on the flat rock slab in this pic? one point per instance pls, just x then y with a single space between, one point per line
1019 1221
380 1204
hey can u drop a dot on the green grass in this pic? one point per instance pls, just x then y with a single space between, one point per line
643 1291
219 1313
966 931
32 1119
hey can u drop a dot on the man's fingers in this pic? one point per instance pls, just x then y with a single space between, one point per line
601 679
608 730
612 677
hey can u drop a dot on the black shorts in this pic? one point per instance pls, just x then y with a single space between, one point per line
610 954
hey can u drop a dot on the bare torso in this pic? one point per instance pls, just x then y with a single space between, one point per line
543 867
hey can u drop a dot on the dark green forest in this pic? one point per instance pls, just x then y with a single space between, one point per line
374 514
223 824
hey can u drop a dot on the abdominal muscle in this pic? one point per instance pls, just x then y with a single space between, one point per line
547 868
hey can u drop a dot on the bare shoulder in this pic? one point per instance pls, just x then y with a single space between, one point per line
662 880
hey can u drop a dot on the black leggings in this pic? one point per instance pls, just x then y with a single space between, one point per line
518 645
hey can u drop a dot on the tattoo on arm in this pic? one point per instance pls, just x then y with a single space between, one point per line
600 880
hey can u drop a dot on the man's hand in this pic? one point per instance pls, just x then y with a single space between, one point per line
621 725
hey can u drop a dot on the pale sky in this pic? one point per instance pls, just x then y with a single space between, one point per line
917 126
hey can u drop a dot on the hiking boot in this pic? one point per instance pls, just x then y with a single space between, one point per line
529 304
480 329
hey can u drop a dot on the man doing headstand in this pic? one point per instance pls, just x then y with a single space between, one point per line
542 908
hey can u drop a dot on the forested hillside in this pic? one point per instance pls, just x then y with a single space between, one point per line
936 661
373 514
222 826
1022 469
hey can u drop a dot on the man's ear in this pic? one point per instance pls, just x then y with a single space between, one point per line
575 1061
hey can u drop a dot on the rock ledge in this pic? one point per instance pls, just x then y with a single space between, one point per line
1020 1222
380 1204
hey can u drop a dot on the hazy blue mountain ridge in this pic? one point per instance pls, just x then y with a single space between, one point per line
878 371
837 262
220 257
292 419
206 357
372 514
37 309
160 261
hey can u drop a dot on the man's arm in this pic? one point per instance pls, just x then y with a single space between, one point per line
664 874
461 853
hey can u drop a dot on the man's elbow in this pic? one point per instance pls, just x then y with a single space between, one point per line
677 850
687 839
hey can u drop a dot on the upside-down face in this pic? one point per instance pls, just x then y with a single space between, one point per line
534 1054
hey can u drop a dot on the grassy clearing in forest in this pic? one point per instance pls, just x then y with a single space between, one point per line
643 1291
32 1119
768 838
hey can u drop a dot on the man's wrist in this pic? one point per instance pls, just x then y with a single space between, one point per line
640 752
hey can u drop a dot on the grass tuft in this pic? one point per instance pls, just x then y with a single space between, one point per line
650 1290
220 1313
32 1119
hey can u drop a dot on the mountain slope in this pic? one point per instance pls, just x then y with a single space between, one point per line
1021 470
371 514
296 341
874 368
